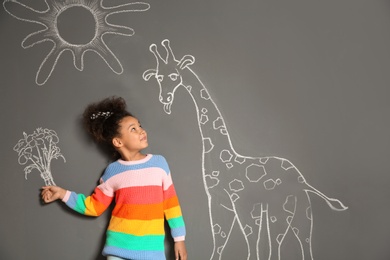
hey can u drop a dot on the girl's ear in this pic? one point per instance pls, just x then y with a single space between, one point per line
117 142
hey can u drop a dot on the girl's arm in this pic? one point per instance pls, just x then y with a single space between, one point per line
93 205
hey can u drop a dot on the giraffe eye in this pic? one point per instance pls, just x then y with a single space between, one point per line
159 78
173 76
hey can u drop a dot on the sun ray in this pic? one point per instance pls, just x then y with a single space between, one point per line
51 33
25 13
33 38
128 7
47 66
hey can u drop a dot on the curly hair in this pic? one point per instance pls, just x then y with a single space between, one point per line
101 119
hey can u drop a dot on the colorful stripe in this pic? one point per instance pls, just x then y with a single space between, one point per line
132 242
139 211
140 195
172 213
142 177
137 227
134 254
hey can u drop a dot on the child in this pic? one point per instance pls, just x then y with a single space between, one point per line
140 183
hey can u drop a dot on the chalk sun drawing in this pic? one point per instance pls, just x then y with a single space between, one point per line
267 197
39 149
51 33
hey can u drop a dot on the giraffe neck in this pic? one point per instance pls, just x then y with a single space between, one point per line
210 121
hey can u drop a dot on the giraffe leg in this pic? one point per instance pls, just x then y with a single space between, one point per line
222 221
279 219
255 227
264 245
302 224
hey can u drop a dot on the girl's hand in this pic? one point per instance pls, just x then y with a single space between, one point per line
180 250
52 193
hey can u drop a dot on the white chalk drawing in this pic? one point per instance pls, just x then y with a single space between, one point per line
275 191
37 150
48 18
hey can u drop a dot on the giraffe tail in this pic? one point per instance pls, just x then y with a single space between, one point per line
334 204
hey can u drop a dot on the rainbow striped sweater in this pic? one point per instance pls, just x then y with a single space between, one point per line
144 195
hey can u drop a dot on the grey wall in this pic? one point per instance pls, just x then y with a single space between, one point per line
303 80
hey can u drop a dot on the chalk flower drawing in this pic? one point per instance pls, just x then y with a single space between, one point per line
267 197
48 18
38 149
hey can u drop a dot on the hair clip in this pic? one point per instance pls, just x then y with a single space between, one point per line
102 114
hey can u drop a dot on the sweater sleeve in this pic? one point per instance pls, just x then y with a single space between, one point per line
93 205
172 210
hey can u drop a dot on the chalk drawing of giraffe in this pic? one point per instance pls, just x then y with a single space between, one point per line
267 197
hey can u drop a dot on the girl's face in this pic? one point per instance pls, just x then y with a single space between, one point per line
132 135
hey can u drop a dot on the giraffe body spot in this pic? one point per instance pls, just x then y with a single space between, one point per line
236 185
234 197
239 159
207 145
248 230
215 173
216 229
279 238
255 172
289 204
226 156
218 123
273 219
211 182
256 211
203 119
286 164
263 160
229 165
269 184
204 94
308 213
189 88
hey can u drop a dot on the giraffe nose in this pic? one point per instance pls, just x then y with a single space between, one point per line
166 99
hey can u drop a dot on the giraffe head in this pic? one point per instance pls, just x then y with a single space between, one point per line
168 73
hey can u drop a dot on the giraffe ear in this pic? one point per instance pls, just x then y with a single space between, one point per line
148 74
186 61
